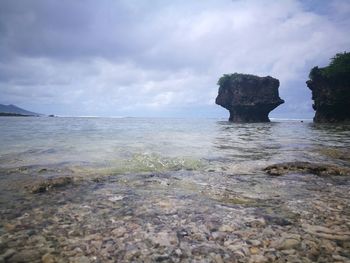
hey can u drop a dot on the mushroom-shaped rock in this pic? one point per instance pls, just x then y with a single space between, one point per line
330 88
248 98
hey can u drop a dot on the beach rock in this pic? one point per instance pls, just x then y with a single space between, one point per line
49 184
330 88
306 167
248 98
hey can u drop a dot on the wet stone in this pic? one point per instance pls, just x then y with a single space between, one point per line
306 167
49 184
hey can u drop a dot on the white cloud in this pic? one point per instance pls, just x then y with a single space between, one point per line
123 58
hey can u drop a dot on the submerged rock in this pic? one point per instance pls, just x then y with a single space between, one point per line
49 184
330 88
248 98
306 167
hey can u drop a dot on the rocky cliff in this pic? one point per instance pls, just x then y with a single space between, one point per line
330 88
248 98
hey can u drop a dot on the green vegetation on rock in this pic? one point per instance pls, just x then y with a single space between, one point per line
337 71
226 79
330 88
248 98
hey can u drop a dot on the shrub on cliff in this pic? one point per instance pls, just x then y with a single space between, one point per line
227 79
337 71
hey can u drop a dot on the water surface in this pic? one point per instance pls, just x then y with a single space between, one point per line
171 190
134 144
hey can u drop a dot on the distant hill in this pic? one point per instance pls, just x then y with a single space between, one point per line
13 110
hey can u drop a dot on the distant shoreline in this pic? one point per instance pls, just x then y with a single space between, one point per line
7 114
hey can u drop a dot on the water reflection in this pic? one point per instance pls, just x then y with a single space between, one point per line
331 142
247 141
247 148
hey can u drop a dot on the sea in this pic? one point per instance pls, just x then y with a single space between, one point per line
128 145
171 190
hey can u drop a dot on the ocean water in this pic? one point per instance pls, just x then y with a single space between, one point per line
123 145
171 190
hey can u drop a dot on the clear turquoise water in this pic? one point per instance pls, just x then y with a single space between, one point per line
123 145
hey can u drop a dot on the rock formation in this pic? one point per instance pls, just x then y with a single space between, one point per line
330 88
306 167
248 98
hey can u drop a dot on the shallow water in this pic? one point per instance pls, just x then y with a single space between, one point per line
172 190
133 145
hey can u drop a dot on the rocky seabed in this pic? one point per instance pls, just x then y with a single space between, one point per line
182 216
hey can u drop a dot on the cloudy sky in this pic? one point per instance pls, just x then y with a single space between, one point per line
161 58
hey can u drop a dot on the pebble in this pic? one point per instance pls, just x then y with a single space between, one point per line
289 251
226 228
328 245
48 258
165 239
255 243
258 259
81 259
119 232
287 242
217 258
9 227
254 250
218 235
116 198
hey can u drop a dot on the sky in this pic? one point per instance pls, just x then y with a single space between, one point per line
160 58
